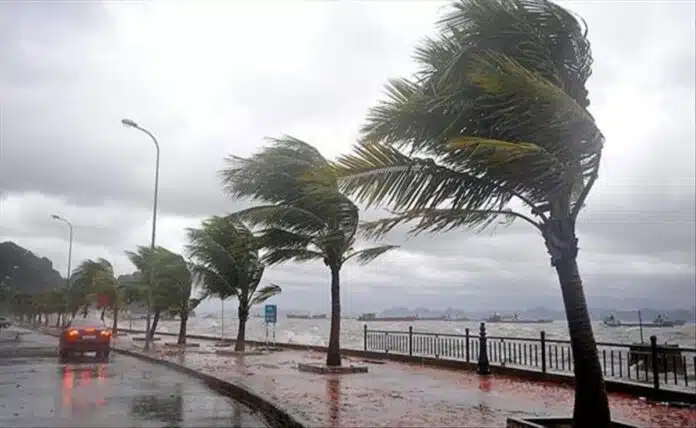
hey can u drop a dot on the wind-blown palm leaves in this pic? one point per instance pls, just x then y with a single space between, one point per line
172 288
144 258
303 215
176 276
228 265
94 278
496 118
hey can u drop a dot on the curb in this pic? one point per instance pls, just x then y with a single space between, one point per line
273 414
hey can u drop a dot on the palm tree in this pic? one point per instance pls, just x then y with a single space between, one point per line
228 264
494 124
97 276
304 216
176 276
162 296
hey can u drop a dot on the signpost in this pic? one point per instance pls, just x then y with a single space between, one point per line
271 317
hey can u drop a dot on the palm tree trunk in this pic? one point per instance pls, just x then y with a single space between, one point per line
242 314
183 321
114 323
155 320
591 404
333 355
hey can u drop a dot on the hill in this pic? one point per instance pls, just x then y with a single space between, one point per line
24 272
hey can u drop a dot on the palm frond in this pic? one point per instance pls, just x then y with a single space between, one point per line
227 258
500 73
515 162
281 238
543 36
442 220
277 173
265 293
290 217
377 174
367 255
280 255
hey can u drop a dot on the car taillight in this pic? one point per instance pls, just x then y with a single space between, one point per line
73 333
105 333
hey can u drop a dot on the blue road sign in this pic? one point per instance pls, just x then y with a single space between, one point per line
271 314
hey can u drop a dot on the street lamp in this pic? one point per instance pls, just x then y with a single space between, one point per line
67 279
132 124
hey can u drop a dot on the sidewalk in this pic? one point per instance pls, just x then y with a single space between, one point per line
396 394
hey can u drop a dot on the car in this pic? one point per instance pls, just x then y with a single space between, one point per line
5 322
82 336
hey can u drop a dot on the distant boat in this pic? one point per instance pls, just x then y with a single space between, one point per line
373 317
306 316
659 321
611 321
497 318
298 316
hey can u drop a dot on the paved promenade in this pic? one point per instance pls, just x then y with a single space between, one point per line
397 394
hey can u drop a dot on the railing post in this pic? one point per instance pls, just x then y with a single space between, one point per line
365 337
543 351
466 330
410 340
655 370
484 366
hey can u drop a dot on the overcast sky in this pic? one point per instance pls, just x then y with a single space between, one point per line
211 80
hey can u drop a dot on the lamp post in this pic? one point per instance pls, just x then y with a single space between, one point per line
132 124
67 279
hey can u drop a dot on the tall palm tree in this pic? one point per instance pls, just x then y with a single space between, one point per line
163 292
303 215
98 277
494 127
177 276
228 264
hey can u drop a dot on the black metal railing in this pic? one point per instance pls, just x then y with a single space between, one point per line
648 363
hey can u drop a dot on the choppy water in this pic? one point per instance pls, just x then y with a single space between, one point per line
316 332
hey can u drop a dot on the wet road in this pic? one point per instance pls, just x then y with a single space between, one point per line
126 392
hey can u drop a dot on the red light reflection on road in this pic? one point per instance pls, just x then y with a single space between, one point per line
85 377
82 398
67 383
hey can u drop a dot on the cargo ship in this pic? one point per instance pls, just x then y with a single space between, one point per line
497 318
373 317
659 321
306 316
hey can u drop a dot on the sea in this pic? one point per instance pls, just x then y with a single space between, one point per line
316 331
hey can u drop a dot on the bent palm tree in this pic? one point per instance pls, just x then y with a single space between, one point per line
304 216
495 119
96 278
175 275
228 264
144 258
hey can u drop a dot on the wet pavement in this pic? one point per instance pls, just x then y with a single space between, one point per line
125 392
405 395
